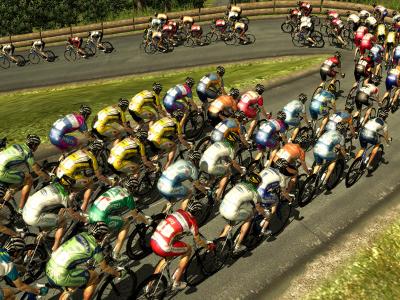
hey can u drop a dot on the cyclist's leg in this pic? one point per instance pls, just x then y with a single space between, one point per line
221 186
331 167
7 294
91 285
171 147
180 246
253 125
322 126
246 209
373 154
121 224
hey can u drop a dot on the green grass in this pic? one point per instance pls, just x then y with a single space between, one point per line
394 4
34 111
374 273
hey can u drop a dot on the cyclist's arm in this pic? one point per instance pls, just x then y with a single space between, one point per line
264 113
103 178
24 287
137 216
386 136
108 269
199 241
36 168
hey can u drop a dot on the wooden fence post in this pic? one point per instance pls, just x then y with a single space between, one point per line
274 6
321 6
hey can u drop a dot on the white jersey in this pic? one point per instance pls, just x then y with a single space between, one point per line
396 19
364 14
271 180
354 18
95 34
216 159
233 15
294 111
371 21
370 89
305 22
375 126
37 43
238 197
49 196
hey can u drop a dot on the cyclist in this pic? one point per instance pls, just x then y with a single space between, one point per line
218 158
371 23
234 12
8 50
371 134
58 135
358 37
211 86
380 12
305 7
96 37
165 242
80 168
111 123
157 38
343 117
196 32
241 28
155 24
76 42
392 81
146 106
320 106
234 124
66 265
363 14
128 155
180 98
367 42
396 55
365 96
295 112
17 163
223 107
285 162
39 46
238 206
363 69
378 53
170 185
332 14
251 103
307 27
12 250
330 68
337 26
271 133
163 134
294 15
108 206
396 23
390 42
353 20
325 149
187 22
162 17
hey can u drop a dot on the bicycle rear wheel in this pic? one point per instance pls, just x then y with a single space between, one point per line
287 27
281 217
194 125
110 289
231 39
212 36
153 287
307 191
20 60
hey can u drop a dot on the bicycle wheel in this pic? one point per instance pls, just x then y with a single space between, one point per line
307 191
318 38
287 27
4 62
231 39
351 95
349 43
138 244
205 41
332 40
34 264
203 144
297 40
377 160
33 58
385 102
89 51
355 172
194 273
92 46
394 106
107 47
7 213
189 42
111 289
336 175
194 125
212 36
50 55
70 55
150 48
20 60
250 39
279 220
153 287
324 30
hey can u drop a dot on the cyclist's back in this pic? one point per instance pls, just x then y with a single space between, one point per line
19 159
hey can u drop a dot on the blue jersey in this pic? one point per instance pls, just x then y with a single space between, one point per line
178 172
336 118
224 127
70 123
294 110
269 186
7 267
270 128
377 52
179 91
324 97
328 141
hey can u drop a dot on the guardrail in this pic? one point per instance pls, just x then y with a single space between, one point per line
204 14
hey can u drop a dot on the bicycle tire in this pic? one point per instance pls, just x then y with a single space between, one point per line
194 125
205 41
34 268
317 90
231 39
251 39
147 182
351 96
70 55
144 292
297 41
50 55
91 45
194 273
287 27
33 58
309 186
318 38
354 173
4 62
108 47
89 51
20 60
129 287
282 216
189 42
150 48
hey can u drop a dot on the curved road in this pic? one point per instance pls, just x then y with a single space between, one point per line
312 228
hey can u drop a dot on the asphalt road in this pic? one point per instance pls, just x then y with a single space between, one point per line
312 228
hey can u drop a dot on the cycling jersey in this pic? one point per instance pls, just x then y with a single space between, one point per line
164 131
216 159
250 104
339 117
165 240
364 14
223 128
9 49
109 119
291 153
62 268
220 23
378 52
236 8
337 23
109 205
359 35
381 30
305 7
381 11
224 104
78 165
324 149
367 42
393 79
270 186
396 55
155 22
267 136
240 26
128 150
391 39
39 44
170 183
7 267
209 87
365 93
233 15
372 131
196 30
320 104
239 202
37 210
187 20
353 18
363 67
143 105
75 41
371 21
175 97
67 124
15 161
332 14
305 22
294 112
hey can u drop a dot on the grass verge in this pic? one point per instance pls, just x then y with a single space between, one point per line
34 111
373 273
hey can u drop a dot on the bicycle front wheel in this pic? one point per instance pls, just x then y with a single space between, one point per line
111 289
20 60
153 287
354 173
107 47
70 55
4 62
50 55
33 58
287 27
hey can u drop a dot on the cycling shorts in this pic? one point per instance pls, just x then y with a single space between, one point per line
62 141
324 73
368 137
170 191
205 93
236 214
146 112
292 120
176 249
213 118
391 82
67 278
322 153
362 99
317 108
12 176
171 104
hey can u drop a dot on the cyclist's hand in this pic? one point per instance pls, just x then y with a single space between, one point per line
211 246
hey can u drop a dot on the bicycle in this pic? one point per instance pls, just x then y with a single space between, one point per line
233 38
71 52
390 101
299 38
103 46
334 40
6 60
35 55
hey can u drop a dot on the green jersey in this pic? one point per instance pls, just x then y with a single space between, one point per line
16 157
76 251
115 199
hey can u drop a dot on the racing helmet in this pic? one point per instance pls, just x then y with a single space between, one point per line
157 87
33 141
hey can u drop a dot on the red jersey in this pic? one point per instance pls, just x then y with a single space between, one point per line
172 227
249 103
332 62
